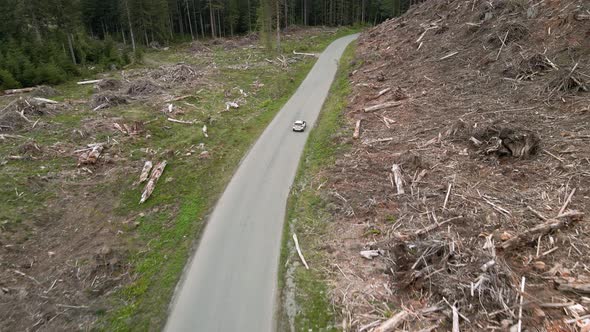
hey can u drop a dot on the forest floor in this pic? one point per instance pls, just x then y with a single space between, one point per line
77 249
463 202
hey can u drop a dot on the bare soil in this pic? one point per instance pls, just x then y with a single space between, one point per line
490 128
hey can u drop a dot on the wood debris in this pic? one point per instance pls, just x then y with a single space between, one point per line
132 130
551 224
89 82
397 175
45 100
91 155
306 54
151 185
145 172
377 140
17 91
513 136
573 286
181 121
392 323
448 55
383 106
231 104
369 254
299 251
357 129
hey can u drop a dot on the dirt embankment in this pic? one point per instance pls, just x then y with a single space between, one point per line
471 175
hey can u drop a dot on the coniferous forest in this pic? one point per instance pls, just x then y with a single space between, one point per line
49 41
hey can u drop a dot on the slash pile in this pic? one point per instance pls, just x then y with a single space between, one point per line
470 176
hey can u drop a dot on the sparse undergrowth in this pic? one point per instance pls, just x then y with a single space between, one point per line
95 257
305 293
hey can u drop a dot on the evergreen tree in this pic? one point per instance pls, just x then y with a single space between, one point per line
49 41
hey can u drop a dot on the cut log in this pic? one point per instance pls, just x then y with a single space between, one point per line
299 251
357 130
392 323
382 106
377 140
397 175
17 91
180 121
45 100
306 54
145 172
151 185
382 92
574 287
369 254
544 228
89 82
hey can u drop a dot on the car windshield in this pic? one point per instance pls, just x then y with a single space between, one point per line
298 122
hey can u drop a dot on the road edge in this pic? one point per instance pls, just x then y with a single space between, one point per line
329 123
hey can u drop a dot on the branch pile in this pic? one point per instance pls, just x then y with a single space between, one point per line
480 107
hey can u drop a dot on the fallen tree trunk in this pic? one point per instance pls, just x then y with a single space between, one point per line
551 224
390 324
180 121
17 91
145 172
89 82
382 106
357 129
151 185
382 92
574 287
45 100
377 140
306 54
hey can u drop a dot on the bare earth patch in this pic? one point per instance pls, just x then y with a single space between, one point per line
471 172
